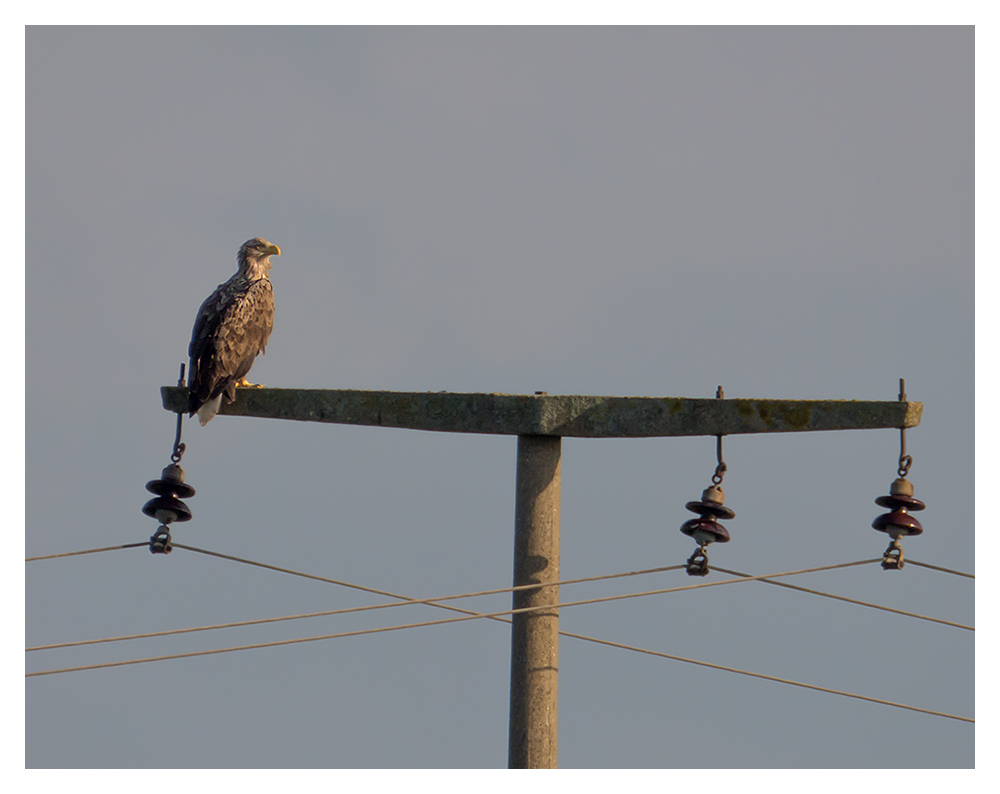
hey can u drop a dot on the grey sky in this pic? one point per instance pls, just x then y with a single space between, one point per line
786 212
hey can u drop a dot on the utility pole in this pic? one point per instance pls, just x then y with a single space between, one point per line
534 636
540 421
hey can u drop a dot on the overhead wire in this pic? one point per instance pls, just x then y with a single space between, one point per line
436 601
851 600
402 601
355 633
475 616
768 677
411 602
533 586
502 615
297 573
515 588
264 565
471 615
87 551
939 568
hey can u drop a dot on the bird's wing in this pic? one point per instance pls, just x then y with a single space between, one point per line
207 322
202 348
232 327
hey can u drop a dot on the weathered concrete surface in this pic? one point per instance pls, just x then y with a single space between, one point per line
534 636
560 415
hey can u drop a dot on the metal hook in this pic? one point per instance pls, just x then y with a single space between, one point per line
905 461
179 448
720 469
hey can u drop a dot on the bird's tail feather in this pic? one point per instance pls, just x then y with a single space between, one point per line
208 410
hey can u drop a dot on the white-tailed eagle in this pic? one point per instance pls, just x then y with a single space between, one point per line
232 327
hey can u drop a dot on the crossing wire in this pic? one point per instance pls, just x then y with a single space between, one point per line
850 600
435 601
519 587
471 615
744 577
475 616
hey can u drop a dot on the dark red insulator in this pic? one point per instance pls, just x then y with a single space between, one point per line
900 502
898 522
705 530
709 506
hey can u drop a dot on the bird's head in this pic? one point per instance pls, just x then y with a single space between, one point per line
255 257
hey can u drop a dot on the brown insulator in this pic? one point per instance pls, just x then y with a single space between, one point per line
898 522
706 528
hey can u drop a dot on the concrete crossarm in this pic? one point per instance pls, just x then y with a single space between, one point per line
559 415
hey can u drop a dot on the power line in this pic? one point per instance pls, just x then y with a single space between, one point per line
939 568
528 586
475 616
768 677
407 602
87 551
470 615
852 600
226 556
431 601
275 643
435 601
744 577
402 601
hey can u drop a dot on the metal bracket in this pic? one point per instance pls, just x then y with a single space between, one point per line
159 541
697 564
892 559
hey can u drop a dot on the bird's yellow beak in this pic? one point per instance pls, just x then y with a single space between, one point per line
272 249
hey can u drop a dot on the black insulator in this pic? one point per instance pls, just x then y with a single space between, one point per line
167 507
171 483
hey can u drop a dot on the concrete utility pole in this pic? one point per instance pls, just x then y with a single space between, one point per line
540 421
534 637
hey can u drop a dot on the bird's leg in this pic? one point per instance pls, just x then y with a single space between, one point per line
243 383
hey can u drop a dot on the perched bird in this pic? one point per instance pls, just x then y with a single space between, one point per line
232 327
